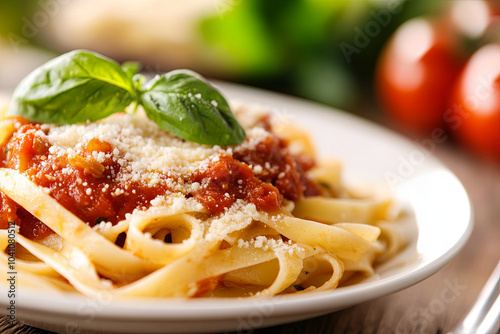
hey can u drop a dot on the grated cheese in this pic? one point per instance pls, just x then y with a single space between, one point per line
153 156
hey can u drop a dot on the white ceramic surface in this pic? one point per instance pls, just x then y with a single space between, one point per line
440 204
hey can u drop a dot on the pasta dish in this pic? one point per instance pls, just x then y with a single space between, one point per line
121 206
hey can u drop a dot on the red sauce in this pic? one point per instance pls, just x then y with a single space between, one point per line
280 168
90 188
82 185
230 178
226 180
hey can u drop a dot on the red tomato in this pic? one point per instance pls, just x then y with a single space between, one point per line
474 113
414 76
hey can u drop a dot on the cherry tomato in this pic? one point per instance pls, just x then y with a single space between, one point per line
474 112
415 74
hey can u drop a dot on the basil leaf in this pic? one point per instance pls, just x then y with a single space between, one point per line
82 86
185 104
76 87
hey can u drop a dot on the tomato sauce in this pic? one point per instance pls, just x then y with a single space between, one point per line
230 178
91 190
226 180
280 168
82 185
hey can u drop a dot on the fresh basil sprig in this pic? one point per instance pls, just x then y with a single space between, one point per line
82 86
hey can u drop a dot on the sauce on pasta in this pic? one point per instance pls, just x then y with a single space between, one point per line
90 190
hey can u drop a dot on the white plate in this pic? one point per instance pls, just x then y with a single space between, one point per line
443 215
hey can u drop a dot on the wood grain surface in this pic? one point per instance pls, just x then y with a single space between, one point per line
420 308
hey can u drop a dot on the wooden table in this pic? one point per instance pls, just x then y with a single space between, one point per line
421 308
